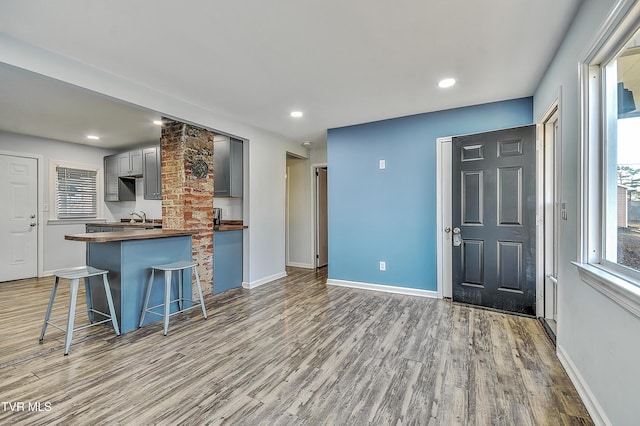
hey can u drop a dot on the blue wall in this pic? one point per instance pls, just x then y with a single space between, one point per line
390 214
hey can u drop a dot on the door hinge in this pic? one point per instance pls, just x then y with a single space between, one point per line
539 145
539 220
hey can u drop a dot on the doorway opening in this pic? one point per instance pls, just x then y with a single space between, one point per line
298 213
321 215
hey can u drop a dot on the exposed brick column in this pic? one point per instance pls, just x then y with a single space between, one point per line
187 200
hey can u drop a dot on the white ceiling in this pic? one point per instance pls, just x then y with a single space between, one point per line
340 62
40 106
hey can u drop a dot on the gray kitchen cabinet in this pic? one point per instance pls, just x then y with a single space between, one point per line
130 163
93 228
152 167
115 188
227 167
96 228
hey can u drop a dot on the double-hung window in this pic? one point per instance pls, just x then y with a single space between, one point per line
75 191
610 160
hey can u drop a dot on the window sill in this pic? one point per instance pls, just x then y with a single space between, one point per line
622 291
73 221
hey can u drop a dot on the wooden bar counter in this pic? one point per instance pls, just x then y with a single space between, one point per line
128 256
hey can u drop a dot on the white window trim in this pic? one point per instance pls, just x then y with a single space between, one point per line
53 214
621 288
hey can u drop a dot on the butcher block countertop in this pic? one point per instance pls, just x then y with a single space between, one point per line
230 225
105 237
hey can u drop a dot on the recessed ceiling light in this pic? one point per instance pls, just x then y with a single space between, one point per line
296 114
157 122
93 137
447 82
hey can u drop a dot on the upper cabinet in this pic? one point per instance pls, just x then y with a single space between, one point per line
121 171
130 164
152 173
116 189
227 167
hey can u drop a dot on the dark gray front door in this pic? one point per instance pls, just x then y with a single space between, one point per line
494 209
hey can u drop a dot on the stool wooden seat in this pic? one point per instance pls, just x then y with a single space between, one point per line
74 275
168 270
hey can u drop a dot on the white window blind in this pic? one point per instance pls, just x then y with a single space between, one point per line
76 193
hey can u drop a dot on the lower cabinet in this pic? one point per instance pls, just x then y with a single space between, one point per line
227 260
96 228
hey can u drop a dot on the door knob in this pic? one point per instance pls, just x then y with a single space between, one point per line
33 216
32 224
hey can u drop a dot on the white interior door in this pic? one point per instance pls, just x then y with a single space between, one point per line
18 217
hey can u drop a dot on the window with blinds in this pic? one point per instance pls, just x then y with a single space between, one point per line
76 193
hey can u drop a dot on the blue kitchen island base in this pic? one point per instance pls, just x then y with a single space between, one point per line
129 264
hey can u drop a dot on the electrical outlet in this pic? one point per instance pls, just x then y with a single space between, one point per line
383 265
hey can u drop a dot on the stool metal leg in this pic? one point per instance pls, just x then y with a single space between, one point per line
72 313
167 299
204 311
87 291
48 314
180 289
146 297
112 310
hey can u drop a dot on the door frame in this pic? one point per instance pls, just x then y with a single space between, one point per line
314 203
541 176
443 216
40 198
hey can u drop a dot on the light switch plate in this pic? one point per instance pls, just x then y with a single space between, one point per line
382 164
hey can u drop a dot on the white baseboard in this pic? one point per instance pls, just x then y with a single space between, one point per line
265 280
301 265
593 407
384 288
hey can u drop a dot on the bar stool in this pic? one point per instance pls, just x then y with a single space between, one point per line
74 275
168 270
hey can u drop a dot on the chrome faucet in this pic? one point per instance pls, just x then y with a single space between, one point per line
143 218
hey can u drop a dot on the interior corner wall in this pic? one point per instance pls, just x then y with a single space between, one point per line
598 339
390 215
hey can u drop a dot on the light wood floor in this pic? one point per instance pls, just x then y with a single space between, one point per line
290 352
